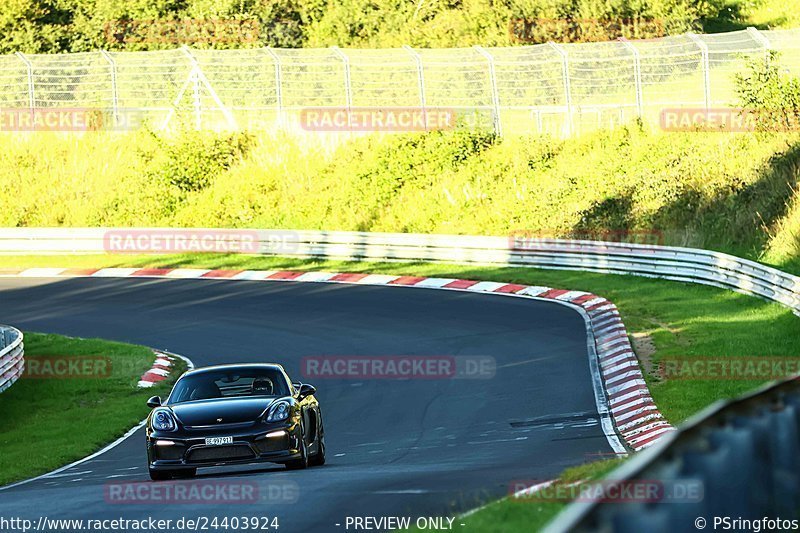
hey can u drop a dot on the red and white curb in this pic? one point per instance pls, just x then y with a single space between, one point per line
159 371
632 410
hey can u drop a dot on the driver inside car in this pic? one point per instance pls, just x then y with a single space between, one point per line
262 387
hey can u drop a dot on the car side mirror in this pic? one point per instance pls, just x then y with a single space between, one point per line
306 390
154 402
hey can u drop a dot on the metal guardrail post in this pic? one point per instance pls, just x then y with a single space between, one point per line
762 39
567 85
423 100
348 88
637 74
12 356
706 67
114 94
278 82
498 126
737 458
29 67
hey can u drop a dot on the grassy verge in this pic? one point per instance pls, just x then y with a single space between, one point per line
675 318
530 513
731 192
769 14
51 422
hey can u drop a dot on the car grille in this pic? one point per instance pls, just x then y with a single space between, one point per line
220 453
169 453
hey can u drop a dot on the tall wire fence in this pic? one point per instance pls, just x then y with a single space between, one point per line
560 89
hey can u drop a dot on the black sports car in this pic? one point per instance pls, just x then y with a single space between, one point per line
234 414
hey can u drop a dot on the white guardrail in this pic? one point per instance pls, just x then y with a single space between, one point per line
12 363
665 262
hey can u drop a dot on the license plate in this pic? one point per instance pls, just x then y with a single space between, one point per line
216 441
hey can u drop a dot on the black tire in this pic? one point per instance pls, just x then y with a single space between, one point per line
318 459
160 475
302 463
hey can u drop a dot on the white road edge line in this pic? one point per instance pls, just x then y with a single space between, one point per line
111 446
601 402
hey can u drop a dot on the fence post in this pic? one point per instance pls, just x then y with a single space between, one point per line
114 94
348 88
29 66
637 74
761 39
177 101
706 68
197 77
498 126
423 102
195 81
567 88
278 83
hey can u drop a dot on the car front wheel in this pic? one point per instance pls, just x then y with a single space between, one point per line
319 458
302 462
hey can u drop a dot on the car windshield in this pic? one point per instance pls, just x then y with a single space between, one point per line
230 383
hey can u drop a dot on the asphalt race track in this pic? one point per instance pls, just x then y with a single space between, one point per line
433 447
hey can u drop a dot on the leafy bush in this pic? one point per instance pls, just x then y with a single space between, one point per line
733 192
192 162
774 98
772 95
45 26
108 179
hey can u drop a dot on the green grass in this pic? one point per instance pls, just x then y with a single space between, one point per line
731 192
767 14
531 514
734 193
51 422
736 15
681 319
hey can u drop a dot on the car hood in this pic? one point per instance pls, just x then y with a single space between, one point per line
230 410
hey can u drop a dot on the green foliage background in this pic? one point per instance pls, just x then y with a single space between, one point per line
727 191
44 26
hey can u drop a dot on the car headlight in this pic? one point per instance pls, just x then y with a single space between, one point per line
163 420
279 412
